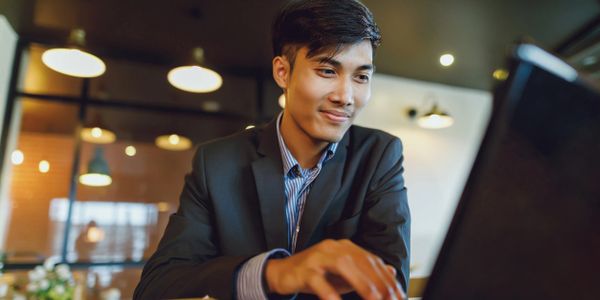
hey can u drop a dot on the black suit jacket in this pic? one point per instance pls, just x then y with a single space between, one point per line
232 208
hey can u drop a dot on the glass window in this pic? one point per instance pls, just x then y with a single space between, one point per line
124 220
40 172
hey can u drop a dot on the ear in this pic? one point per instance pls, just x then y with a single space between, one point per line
281 71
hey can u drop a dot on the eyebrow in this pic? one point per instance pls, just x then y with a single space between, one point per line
337 64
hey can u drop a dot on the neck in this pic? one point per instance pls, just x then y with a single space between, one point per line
305 149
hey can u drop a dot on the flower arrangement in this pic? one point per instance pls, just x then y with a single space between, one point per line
51 281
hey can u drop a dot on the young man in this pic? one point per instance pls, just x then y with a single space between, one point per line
308 204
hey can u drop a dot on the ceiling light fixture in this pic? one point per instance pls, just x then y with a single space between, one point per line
173 142
98 173
98 135
194 78
435 119
73 61
447 60
130 151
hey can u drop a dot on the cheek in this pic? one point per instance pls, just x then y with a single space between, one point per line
362 96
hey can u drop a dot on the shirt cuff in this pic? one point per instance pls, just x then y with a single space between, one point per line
250 277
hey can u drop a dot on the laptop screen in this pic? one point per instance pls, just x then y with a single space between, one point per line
528 222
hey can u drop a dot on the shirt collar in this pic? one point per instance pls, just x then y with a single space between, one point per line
289 161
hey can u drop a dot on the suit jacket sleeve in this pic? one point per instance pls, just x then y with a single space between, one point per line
385 221
187 262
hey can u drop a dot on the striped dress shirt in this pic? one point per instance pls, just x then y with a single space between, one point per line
297 183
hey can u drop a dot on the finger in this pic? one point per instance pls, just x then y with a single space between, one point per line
385 280
345 267
374 268
395 273
389 273
319 286
392 270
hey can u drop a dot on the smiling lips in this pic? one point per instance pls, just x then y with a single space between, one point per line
335 116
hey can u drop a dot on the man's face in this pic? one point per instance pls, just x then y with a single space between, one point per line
324 94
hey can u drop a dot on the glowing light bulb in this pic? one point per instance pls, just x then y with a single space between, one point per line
174 139
447 60
130 150
17 157
44 166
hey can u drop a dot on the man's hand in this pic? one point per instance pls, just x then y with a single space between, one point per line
332 268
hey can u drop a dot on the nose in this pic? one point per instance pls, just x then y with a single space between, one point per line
343 94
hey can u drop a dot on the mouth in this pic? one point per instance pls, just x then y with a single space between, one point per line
335 116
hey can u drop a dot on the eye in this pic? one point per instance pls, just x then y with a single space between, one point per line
326 72
363 78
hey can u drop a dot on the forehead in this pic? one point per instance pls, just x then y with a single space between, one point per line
359 53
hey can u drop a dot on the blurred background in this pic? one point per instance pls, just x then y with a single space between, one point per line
92 161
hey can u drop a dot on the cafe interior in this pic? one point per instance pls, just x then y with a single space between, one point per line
93 154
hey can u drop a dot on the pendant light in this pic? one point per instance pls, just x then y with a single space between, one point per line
73 61
194 78
435 119
97 133
98 173
173 142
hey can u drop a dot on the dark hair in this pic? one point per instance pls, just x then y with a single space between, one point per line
322 25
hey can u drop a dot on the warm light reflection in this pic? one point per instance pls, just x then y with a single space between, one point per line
73 62
195 79
95 234
447 60
500 74
249 127
281 101
435 121
95 179
17 157
173 142
130 150
44 166
98 135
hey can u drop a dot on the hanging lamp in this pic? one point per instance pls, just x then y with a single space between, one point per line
173 142
98 173
73 61
97 132
194 78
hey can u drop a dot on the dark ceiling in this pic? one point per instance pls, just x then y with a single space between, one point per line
235 34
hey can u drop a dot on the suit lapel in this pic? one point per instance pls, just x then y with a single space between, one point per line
268 177
322 192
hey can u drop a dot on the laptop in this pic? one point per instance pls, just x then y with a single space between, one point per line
527 225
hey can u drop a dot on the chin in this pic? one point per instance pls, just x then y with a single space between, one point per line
331 136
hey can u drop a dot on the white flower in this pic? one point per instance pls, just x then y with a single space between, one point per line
44 284
37 274
32 287
111 294
33 276
63 271
50 262
59 289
